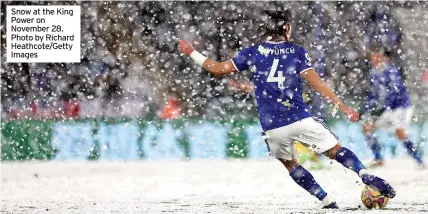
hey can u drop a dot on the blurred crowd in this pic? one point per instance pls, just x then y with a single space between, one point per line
130 66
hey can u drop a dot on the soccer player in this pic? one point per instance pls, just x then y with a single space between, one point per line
279 68
389 107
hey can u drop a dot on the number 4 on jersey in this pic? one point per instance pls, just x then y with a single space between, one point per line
278 79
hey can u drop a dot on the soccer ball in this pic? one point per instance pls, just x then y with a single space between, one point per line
372 198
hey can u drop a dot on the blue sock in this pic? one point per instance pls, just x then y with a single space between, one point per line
348 159
374 146
412 150
304 178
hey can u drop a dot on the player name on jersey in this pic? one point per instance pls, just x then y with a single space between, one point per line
275 51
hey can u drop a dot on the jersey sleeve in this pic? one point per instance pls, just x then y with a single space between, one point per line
305 61
243 59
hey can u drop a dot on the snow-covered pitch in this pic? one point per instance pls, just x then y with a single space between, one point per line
196 186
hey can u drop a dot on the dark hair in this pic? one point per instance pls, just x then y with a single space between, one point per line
388 53
275 25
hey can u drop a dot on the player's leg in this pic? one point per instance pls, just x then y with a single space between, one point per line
281 146
349 160
410 146
305 180
369 129
401 120
322 140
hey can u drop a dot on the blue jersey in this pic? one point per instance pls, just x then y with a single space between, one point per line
387 90
276 69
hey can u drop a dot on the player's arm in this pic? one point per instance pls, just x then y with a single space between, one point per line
212 66
319 85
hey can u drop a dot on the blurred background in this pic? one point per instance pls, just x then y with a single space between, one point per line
134 97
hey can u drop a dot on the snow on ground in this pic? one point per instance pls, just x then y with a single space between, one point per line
194 187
